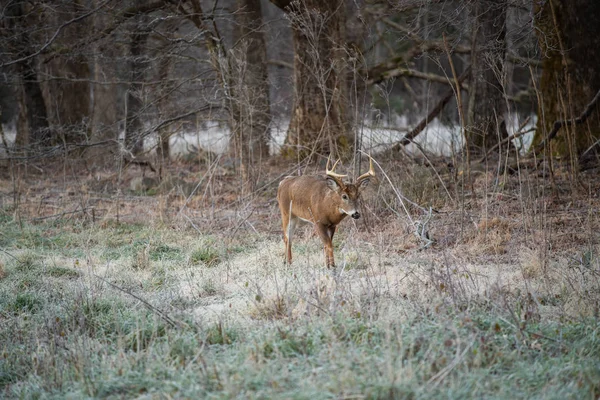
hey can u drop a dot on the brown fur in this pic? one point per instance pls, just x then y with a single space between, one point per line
323 201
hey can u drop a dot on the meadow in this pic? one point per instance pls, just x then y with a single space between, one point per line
168 295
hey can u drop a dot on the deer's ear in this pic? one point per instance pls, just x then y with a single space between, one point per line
364 183
333 184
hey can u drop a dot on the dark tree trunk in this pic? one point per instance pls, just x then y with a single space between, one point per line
319 121
68 97
485 124
138 64
37 119
105 104
33 119
164 133
569 37
67 90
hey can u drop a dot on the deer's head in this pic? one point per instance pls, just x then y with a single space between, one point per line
348 193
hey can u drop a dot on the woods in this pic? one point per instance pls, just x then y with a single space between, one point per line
114 75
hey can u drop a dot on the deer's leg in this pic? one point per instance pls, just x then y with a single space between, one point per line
326 235
287 237
330 233
285 219
288 225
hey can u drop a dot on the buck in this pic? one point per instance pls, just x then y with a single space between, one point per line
323 201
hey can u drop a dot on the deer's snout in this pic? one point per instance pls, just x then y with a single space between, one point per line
355 215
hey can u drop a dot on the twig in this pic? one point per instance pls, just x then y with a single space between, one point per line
54 36
398 194
83 210
459 106
420 148
410 73
192 223
422 232
420 226
169 320
8 254
439 377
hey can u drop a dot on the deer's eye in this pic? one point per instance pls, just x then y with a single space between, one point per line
345 197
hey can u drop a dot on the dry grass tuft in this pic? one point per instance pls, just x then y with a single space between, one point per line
492 236
141 260
2 271
531 263
277 307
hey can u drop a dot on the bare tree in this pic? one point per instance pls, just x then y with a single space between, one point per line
33 121
486 111
319 121
103 68
66 81
251 106
138 64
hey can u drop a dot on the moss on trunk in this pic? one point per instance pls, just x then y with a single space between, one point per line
569 37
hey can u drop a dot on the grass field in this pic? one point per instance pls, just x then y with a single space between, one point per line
156 308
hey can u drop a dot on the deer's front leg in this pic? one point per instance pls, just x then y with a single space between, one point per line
287 237
326 235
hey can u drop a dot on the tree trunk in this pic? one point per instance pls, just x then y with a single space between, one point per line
250 105
104 120
319 121
164 133
487 107
66 89
67 97
134 142
569 37
33 121
37 120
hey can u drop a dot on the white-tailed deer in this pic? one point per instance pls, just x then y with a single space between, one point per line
323 201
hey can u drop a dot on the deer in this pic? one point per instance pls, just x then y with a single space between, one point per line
323 201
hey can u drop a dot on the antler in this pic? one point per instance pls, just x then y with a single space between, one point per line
336 177
370 174
330 171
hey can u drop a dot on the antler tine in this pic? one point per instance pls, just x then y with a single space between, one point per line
369 174
330 171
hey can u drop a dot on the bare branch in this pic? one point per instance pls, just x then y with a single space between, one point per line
520 132
408 138
54 36
560 123
391 68
281 63
117 21
411 73
283 4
